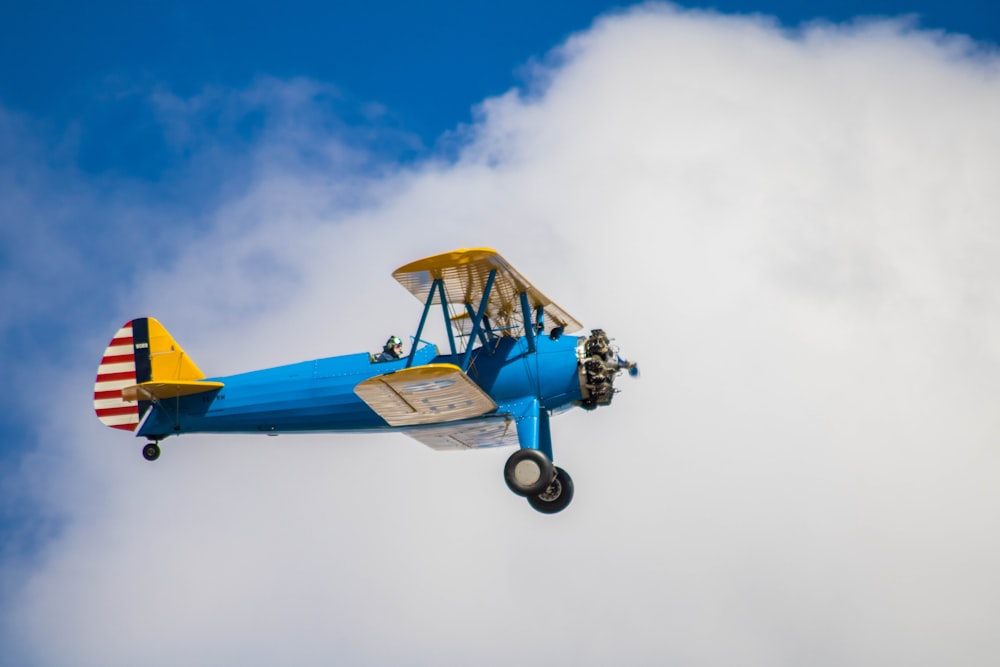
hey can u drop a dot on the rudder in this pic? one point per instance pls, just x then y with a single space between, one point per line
141 351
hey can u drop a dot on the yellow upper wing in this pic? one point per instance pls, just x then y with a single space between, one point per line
465 272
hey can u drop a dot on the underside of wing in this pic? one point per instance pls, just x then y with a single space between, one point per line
487 432
465 274
429 394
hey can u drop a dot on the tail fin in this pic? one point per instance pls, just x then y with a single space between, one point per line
141 351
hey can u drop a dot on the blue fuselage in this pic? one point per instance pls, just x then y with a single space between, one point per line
318 396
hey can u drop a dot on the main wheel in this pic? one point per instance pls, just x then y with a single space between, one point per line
151 451
528 472
556 497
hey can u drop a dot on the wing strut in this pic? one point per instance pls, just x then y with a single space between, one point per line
478 319
484 331
529 329
420 328
447 315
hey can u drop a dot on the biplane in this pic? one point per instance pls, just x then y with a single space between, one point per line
509 366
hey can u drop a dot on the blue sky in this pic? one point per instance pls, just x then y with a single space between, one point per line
427 63
796 217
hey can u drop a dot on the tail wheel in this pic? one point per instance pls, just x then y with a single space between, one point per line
556 496
528 472
151 451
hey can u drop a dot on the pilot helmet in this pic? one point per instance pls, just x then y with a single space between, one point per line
393 342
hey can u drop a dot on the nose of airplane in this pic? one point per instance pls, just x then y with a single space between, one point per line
599 365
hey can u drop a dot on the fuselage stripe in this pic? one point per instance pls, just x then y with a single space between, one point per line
111 402
140 337
106 369
111 377
114 385
118 358
123 410
120 420
116 371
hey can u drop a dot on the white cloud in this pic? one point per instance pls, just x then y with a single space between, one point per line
793 233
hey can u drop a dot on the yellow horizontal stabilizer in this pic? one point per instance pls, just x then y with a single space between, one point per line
465 273
428 394
156 391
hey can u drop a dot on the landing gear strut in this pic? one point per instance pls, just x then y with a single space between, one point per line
530 473
151 451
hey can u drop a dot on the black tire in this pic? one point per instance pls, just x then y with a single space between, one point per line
556 497
528 472
151 451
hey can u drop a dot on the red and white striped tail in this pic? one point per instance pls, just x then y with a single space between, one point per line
117 371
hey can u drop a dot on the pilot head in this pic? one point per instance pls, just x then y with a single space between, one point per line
394 346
